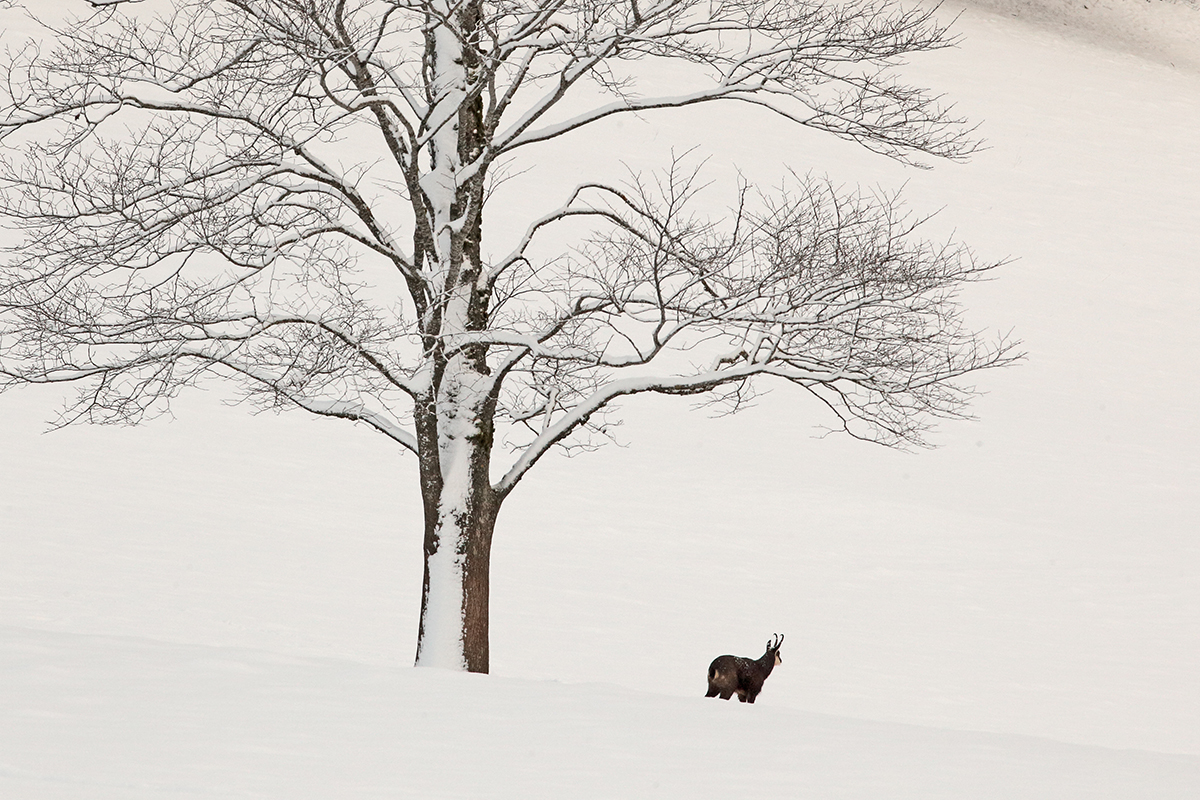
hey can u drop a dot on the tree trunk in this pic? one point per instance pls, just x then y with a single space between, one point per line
456 435
454 423
454 600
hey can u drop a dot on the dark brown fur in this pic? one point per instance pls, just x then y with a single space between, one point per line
730 675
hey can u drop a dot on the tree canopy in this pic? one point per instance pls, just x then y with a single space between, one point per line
290 194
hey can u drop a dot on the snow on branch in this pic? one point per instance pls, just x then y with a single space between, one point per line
834 292
218 190
231 182
818 65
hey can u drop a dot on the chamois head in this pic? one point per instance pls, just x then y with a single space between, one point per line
730 675
773 645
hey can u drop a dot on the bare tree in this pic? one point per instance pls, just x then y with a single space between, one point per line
289 194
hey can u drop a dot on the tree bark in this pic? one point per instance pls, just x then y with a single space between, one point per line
455 421
457 432
454 600
460 517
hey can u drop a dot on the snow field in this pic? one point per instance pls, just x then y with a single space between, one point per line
122 718
225 606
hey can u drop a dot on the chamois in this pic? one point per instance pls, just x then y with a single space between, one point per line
745 676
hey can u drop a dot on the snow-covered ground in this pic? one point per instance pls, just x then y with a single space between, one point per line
1166 31
127 719
226 606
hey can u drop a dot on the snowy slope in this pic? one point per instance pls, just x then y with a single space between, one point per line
101 717
1166 31
220 605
